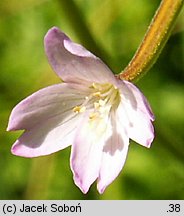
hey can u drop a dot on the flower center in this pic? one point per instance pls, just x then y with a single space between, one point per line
102 99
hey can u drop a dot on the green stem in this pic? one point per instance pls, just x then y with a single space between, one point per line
154 40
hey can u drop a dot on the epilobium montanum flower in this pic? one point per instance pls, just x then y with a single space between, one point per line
91 110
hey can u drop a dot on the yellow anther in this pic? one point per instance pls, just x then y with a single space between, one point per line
97 94
96 105
102 102
101 99
94 85
93 115
79 109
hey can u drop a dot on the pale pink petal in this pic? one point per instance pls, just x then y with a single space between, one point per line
141 130
136 124
47 138
142 103
132 95
72 62
114 154
46 103
87 151
135 114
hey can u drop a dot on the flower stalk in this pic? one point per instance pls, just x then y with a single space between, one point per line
154 40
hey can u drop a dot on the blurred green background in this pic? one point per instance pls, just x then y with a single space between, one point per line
112 29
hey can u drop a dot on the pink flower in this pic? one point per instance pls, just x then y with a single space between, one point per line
91 110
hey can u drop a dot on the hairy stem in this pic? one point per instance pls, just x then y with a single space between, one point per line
154 40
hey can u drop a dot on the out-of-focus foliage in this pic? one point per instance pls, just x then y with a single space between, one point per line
117 26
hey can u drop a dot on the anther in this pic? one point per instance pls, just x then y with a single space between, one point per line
93 115
79 109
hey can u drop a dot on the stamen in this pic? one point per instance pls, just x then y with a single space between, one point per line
93 115
100 101
96 105
79 109
97 94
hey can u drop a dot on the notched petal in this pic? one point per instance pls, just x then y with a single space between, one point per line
46 138
44 104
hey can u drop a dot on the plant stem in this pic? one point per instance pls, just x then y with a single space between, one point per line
154 40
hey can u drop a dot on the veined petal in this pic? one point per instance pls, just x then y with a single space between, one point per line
142 103
46 103
114 153
133 96
72 62
46 138
135 114
87 151
141 130
136 124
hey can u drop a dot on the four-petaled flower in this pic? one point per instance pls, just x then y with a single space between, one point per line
91 110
